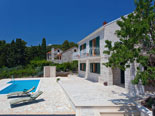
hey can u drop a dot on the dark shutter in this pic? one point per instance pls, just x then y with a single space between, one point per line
84 66
85 46
90 47
91 67
80 66
98 68
80 47
98 42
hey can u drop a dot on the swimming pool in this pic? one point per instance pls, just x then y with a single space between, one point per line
20 85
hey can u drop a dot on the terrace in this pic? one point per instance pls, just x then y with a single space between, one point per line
52 101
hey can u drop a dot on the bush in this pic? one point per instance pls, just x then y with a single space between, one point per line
35 68
73 66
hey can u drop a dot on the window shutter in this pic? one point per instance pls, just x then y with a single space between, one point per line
90 44
98 68
84 66
80 47
80 66
90 47
85 46
98 42
91 67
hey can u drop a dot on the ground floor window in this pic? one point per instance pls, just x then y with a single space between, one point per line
83 66
95 68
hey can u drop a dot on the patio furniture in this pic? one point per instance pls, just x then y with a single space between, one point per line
20 93
31 98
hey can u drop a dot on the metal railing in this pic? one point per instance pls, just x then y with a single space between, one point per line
83 53
94 51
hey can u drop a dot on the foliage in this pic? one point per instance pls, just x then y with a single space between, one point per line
18 71
137 42
66 45
148 102
40 63
67 66
43 46
58 79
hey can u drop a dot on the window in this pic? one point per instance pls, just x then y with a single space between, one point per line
82 47
94 46
58 51
74 50
95 68
83 66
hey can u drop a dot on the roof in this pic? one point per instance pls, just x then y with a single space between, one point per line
100 28
48 52
69 49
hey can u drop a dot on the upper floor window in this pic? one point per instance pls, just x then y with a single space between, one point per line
94 46
95 43
82 47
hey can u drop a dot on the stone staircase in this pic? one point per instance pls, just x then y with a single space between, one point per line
107 111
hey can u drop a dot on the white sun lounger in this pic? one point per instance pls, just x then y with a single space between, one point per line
20 93
26 99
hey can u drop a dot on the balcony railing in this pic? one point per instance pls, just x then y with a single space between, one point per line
83 53
94 51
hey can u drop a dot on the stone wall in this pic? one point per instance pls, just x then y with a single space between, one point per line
67 55
49 71
116 76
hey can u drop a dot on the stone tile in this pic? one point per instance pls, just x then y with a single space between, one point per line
53 101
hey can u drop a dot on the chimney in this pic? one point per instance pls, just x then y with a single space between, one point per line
104 23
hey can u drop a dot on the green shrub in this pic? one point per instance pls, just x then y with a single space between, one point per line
58 79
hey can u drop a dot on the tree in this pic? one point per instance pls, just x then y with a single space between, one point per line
72 44
137 42
3 51
65 45
11 57
20 49
43 47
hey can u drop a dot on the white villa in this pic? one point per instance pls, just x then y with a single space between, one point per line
91 58
60 56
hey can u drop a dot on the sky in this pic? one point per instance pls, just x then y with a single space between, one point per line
57 20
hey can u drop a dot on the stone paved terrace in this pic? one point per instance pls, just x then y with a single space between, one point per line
52 101
91 99
86 93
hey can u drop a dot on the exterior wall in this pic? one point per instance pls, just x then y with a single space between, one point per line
109 34
108 75
106 32
81 73
116 76
49 71
93 76
129 76
99 33
67 56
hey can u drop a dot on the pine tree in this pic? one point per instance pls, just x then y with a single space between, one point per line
43 47
65 45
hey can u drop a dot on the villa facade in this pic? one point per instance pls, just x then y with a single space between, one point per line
91 58
59 56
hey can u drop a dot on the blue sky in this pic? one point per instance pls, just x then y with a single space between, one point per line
57 20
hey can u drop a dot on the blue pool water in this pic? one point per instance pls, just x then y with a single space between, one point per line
20 85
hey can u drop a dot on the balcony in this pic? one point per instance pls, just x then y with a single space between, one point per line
83 53
94 51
